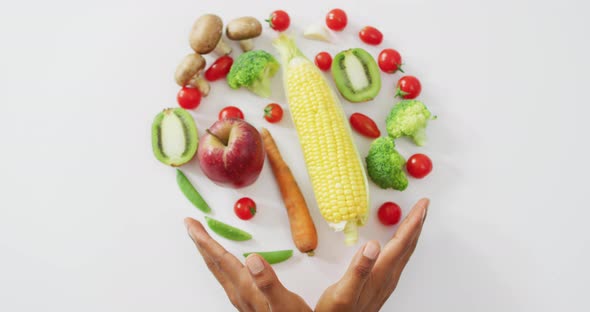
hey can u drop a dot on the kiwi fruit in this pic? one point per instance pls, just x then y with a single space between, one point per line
356 75
174 137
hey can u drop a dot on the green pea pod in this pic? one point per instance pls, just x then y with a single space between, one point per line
273 257
227 231
190 192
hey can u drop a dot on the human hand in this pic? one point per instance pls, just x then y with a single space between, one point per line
254 287
373 273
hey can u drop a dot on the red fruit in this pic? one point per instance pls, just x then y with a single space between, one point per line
389 213
371 35
230 112
245 208
323 61
390 61
273 113
219 69
279 20
364 125
419 166
336 19
408 87
189 98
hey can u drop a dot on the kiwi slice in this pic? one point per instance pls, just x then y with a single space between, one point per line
174 137
356 75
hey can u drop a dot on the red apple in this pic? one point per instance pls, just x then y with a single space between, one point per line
231 153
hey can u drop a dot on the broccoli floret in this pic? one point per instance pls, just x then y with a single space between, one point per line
385 165
409 118
253 70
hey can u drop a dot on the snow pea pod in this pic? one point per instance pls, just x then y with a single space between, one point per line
227 231
273 257
190 192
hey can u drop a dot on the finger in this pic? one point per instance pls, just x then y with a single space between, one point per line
359 271
228 287
403 239
224 260
397 272
266 281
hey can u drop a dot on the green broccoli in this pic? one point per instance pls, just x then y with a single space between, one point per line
253 70
409 118
385 165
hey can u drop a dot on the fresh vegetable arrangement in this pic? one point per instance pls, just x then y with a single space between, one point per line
231 152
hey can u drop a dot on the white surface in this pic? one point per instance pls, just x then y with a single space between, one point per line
90 221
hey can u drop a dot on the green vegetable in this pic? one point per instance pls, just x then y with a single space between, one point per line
385 165
253 70
227 231
190 192
409 118
273 257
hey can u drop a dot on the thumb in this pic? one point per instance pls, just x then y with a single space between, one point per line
266 280
359 270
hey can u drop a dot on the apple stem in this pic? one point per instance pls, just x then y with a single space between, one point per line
220 140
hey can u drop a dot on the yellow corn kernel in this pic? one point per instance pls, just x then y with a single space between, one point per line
333 163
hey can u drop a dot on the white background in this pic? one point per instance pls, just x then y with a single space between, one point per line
90 221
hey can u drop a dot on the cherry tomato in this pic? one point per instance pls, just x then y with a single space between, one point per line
219 69
371 35
323 60
189 98
279 20
419 166
389 213
390 61
336 20
245 208
230 112
273 113
408 87
364 125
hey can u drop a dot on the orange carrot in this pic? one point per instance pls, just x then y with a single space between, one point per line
303 230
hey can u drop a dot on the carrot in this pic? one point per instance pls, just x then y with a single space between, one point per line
303 230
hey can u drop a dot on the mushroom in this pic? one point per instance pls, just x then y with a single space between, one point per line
244 29
188 73
206 35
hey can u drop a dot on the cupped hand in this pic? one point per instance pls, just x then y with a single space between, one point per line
254 287
369 281
373 273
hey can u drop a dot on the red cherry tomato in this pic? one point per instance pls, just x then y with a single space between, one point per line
336 20
408 87
189 98
390 61
245 208
364 125
323 60
219 69
389 213
273 113
371 35
419 166
279 20
230 112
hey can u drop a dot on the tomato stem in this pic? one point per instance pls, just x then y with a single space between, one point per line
400 93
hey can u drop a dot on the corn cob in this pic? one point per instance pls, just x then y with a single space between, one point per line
334 166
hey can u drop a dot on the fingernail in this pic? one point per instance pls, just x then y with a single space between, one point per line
371 250
254 265
425 212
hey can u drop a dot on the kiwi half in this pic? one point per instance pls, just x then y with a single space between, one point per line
356 75
174 137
